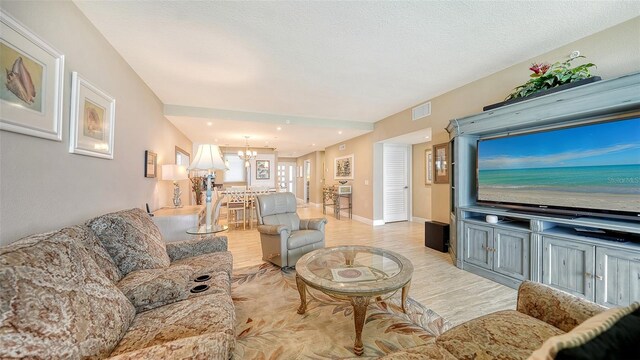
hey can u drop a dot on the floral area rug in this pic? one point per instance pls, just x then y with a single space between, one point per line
269 327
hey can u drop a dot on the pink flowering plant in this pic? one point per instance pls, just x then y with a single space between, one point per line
547 76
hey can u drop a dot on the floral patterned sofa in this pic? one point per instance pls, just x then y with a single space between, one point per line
546 322
112 289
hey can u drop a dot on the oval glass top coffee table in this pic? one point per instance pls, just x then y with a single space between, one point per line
355 274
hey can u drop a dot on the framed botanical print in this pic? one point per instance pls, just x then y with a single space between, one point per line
93 116
343 168
428 167
150 164
263 171
441 163
32 74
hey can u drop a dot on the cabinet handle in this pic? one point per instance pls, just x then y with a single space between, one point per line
597 277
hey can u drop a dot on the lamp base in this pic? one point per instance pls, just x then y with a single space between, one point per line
177 202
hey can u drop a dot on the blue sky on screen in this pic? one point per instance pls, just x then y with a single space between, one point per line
612 143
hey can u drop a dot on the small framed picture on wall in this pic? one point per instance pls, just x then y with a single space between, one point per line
150 164
441 163
263 171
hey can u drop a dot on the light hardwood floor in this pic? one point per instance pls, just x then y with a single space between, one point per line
456 295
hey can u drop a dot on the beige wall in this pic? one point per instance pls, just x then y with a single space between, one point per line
616 51
421 191
362 149
43 186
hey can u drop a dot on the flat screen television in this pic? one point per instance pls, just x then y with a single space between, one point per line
591 169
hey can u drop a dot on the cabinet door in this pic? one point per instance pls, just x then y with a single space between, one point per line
477 242
568 265
617 277
511 255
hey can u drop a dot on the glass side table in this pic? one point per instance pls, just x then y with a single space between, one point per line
204 230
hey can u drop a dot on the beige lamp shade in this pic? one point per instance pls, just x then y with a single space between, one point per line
207 158
174 172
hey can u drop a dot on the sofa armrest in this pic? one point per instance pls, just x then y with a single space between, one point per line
193 247
273 229
313 224
206 346
555 307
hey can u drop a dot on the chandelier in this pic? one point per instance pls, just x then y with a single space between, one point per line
247 154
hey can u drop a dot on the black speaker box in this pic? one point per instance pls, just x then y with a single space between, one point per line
436 235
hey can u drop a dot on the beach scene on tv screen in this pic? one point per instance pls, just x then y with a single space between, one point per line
593 166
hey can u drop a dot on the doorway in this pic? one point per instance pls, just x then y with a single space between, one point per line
307 179
286 177
396 171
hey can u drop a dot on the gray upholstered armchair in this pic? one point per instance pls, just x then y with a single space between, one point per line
285 238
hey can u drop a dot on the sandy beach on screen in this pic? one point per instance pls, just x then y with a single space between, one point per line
621 202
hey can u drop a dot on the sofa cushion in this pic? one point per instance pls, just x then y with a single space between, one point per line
302 238
208 263
56 302
94 247
501 335
188 248
149 289
195 316
132 239
614 333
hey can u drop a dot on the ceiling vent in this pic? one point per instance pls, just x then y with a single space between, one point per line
421 111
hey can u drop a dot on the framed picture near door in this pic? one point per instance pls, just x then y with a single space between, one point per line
441 164
428 167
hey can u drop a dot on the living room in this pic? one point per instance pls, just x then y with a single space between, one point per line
69 188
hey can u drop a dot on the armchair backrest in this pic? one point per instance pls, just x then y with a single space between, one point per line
278 209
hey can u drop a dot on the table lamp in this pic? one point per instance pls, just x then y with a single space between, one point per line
175 173
208 158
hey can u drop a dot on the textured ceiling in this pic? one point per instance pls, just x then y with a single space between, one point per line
352 61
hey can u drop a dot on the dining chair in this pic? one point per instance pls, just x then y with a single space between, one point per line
236 205
251 202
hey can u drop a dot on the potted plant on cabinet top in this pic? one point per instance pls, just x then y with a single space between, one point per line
547 79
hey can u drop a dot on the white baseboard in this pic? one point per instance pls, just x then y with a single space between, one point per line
344 214
378 222
419 219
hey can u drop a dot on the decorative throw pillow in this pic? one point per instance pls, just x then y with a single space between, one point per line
132 239
612 334
56 303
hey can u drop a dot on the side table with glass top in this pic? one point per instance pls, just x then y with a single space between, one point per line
204 230
356 274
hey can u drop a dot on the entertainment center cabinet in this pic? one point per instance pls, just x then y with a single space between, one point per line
565 252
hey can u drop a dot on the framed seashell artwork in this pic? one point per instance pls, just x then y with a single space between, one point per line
32 78
93 117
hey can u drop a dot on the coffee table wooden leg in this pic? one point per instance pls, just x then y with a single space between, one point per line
360 304
303 295
405 293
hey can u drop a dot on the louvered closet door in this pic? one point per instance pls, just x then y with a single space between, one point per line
396 182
